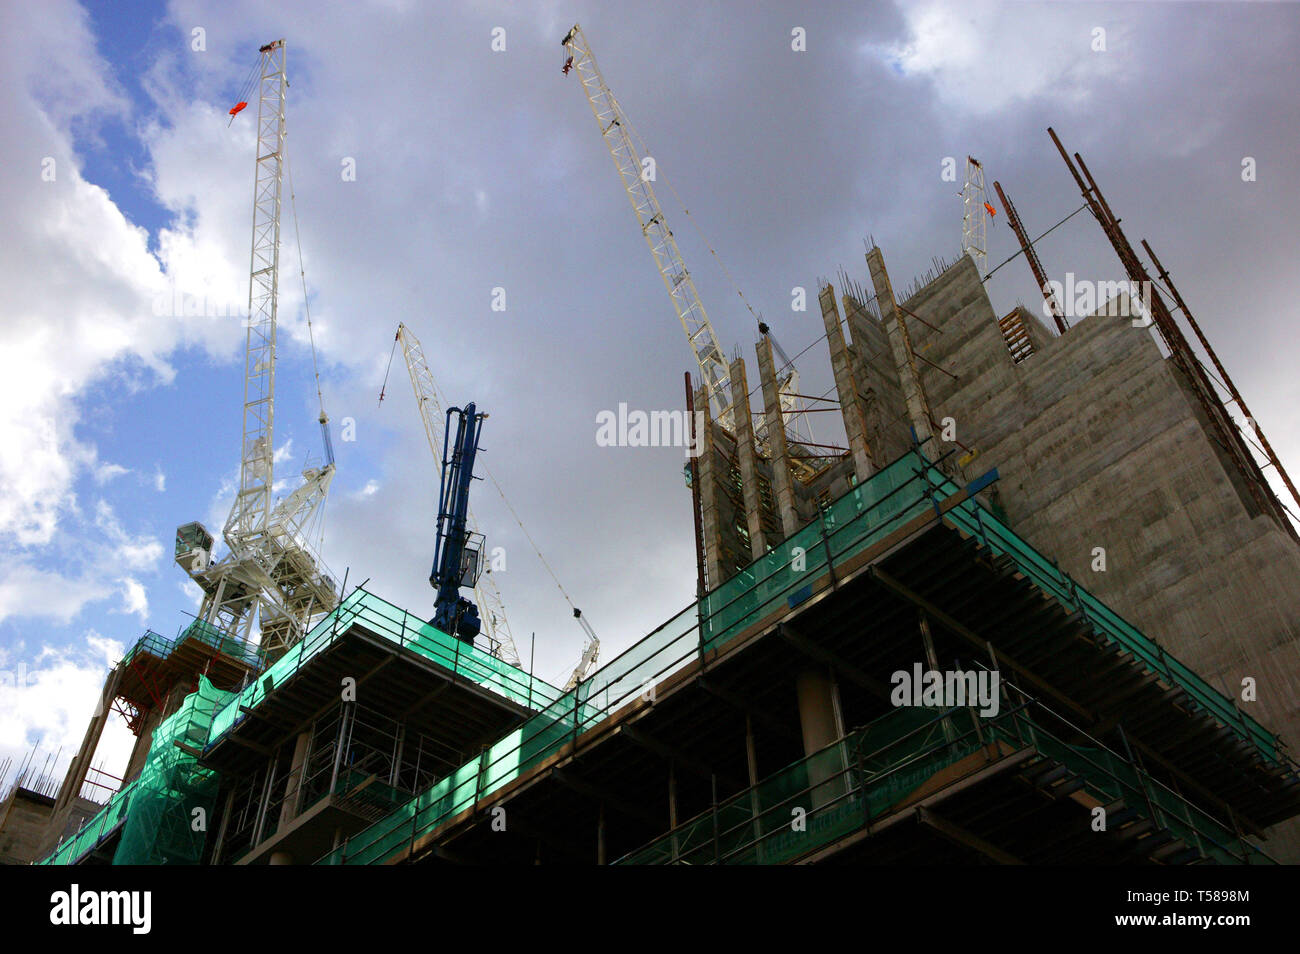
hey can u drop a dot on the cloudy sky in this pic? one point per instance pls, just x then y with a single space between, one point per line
124 189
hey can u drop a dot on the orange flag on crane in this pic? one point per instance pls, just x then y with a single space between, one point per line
992 211
236 108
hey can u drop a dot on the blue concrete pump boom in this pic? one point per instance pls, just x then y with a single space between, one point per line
458 554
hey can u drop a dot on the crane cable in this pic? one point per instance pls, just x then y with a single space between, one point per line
311 337
246 89
302 273
690 218
529 536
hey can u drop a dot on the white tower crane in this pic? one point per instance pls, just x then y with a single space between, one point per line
668 258
270 572
486 594
618 136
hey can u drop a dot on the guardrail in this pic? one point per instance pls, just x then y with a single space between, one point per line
842 789
861 517
405 631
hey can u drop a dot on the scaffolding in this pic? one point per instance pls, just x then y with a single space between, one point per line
174 797
909 489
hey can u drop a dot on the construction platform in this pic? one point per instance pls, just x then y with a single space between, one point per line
671 735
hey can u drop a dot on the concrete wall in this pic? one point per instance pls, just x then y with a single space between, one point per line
23 817
1099 445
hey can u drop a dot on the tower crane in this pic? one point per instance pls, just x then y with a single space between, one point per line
270 573
668 257
486 593
617 133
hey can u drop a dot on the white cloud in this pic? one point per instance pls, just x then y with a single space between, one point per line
84 296
191 591
983 56
47 704
26 591
106 472
133 552
135 598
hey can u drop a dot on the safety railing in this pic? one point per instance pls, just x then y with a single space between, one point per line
160 647
865 514
786 576
95 831
977 521
405 631
814 802
170 774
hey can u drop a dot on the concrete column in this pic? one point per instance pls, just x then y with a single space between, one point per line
746 458
672 805
140 751
281 858
855 421
755 808
857 319
819 723
81 762
218 846
932 662
782 478
909 379
293 784
707 468
600 837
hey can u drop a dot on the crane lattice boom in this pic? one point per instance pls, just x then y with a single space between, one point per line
668 258
974 222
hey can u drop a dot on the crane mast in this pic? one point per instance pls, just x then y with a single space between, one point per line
270 572
590 653
663 246
253 503
486 593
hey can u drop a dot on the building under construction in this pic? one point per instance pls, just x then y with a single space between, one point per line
1070 509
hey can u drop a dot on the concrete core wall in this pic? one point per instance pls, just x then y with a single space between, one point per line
1101 449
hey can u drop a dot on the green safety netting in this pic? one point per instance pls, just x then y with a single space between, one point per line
96 830
868 512
156 808
155 812
174 795
894 755
910 486
977 521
